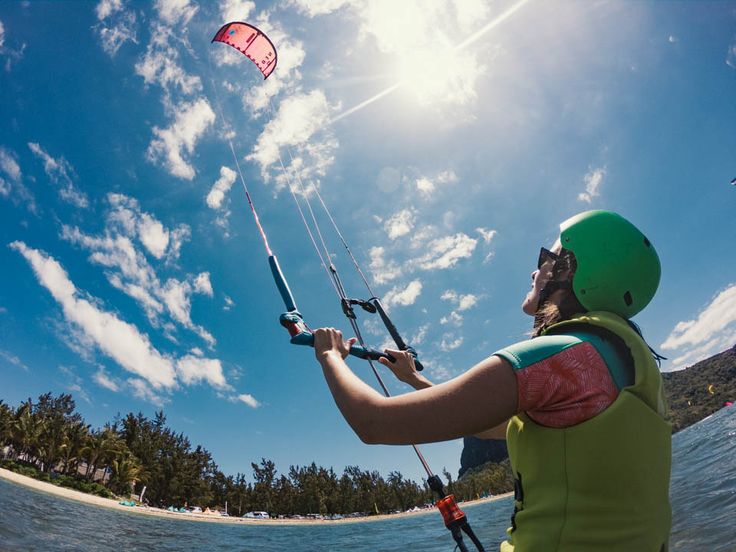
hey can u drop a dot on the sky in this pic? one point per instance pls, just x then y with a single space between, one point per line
448 139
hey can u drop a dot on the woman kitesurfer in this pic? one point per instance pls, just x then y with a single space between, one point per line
580 403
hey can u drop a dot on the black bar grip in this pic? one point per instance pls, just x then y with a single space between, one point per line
400 343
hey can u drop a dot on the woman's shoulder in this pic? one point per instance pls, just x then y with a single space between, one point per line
530 351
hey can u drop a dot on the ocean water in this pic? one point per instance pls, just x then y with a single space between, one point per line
703 493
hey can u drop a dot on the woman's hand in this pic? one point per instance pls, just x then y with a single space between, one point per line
329 340
404 369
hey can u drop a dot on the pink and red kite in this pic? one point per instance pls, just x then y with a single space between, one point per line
250 41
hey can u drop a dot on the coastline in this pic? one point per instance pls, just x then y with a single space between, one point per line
93 500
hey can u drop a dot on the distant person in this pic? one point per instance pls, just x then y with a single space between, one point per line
581 403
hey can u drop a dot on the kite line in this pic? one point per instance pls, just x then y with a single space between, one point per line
255 45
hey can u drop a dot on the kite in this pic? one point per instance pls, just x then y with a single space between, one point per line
250 41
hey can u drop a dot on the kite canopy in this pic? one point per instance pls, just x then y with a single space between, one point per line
250 41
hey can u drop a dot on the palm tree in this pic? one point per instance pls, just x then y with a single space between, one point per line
6 424
76 437
26 428
101 448
58 415
126 472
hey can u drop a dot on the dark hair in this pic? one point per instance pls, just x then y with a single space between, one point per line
549 313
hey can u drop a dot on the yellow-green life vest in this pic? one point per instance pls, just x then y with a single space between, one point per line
603 484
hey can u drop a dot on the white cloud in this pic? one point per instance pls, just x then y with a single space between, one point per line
313 8
439 372
216 196
400 224
592 180
731 56
115 33
446 252
175 12
422 235
250 400
229 303
127 218
711 332
160 64
202 284
194 369
486 234
420 335
104 380
145 393
176 295
236 10
298 119
177 237
450 342
453 318
117 339
60 172
12 55
153 235
108 7
169 145
383 271
462 302
13 359
403 296
130 271
427 186
9 165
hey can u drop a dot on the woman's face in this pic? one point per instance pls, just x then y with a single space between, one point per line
540 277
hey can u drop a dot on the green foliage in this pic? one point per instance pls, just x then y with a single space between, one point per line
489 479
83 486
136 451
688 394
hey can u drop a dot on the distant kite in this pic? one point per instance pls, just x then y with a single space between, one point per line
733 181
250 41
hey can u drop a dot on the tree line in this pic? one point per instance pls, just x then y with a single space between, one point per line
702 389
49 438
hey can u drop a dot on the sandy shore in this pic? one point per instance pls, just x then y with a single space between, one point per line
113 504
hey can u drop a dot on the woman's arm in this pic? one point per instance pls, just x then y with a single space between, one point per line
405 370
482 397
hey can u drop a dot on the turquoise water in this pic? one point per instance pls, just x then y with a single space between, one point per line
703 498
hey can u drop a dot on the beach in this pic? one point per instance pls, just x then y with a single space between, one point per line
207 518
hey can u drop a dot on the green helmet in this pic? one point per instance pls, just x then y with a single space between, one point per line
618 269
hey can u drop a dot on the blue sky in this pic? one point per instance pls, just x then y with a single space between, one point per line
449 140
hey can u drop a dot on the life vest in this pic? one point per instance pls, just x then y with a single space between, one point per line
603 484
